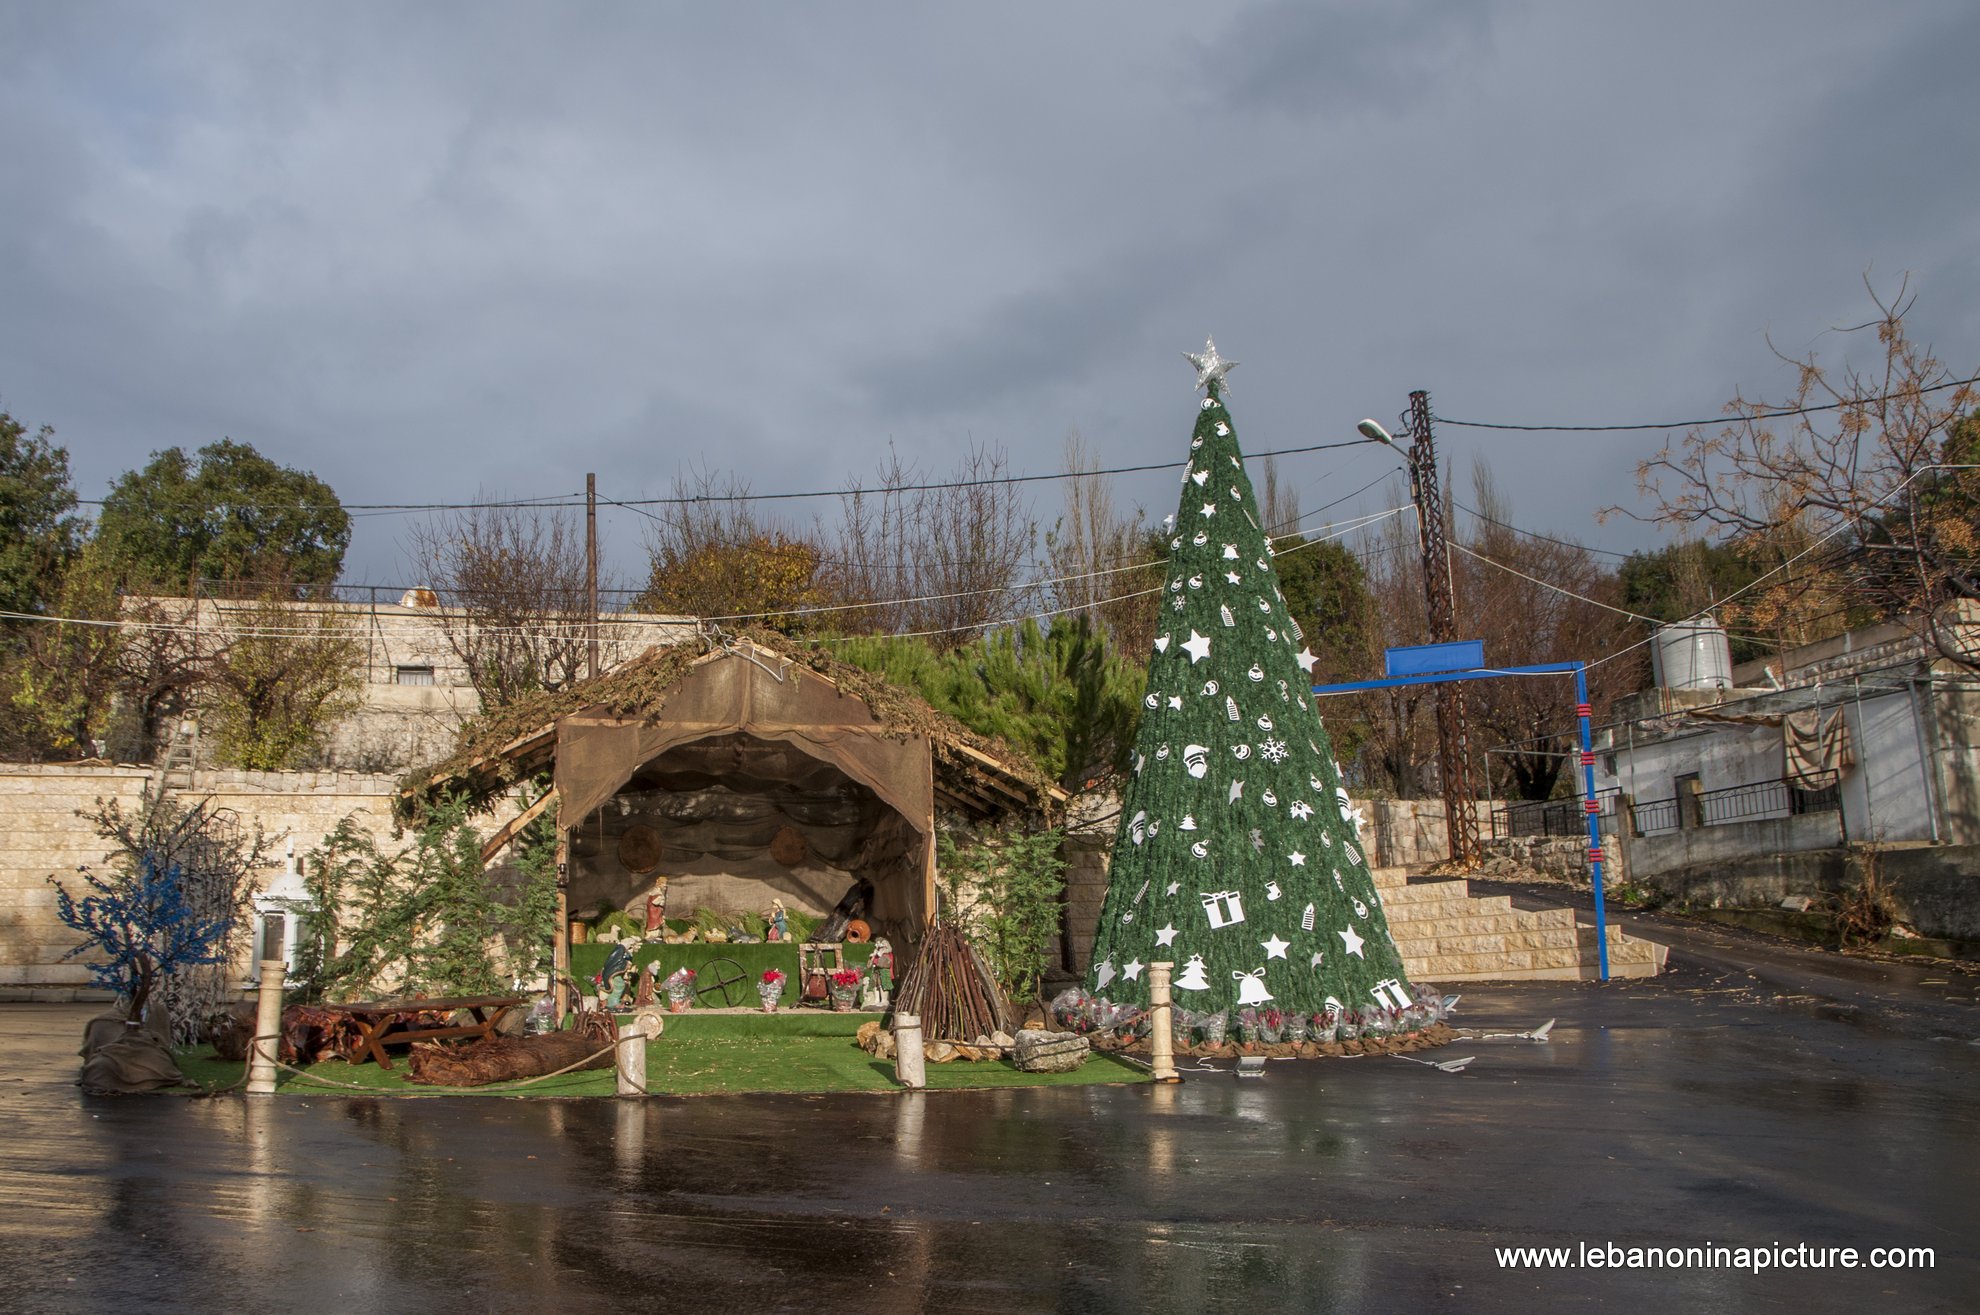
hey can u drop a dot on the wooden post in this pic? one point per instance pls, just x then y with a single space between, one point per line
1161 1036
267 1044
560 940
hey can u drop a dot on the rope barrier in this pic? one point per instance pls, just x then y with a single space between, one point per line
509 1084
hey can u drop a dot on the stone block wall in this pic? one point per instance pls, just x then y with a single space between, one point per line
1561 858
42 834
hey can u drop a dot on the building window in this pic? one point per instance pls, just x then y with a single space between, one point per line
414 675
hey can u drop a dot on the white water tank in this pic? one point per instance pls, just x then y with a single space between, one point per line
1692 655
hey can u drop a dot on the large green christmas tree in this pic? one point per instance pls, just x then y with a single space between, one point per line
1239 856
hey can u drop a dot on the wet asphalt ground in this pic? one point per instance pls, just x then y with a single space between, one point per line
1755 1095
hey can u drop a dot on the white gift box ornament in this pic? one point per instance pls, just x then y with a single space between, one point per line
1225 908
1251 987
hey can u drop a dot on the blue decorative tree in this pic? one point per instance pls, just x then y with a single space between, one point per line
168 921
144 923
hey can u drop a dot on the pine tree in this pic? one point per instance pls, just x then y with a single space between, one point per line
1239 855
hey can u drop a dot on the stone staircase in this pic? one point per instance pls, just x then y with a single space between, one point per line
1447 934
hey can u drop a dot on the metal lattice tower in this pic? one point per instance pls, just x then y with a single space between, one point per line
1453 740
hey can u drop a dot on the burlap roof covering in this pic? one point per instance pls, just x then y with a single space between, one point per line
597 753
758 710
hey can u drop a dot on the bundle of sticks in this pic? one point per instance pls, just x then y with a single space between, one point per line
951 989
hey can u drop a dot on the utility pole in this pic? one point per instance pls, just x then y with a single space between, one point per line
1453 750
591 575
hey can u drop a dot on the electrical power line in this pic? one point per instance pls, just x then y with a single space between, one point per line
682 500
1715 420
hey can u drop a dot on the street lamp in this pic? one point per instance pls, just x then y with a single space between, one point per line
1376 434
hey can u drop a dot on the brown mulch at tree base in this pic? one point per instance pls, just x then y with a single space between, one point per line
1437 1034
876 1040
503 1059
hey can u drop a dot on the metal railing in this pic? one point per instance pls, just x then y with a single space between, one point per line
1757 801
1549 817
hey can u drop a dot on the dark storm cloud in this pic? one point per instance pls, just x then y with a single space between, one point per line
432 250
1302 58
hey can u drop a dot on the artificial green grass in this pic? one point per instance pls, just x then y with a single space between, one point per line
698 1055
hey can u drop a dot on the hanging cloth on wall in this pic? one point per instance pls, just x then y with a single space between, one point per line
1816 743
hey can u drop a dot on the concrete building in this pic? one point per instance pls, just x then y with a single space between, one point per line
1772 784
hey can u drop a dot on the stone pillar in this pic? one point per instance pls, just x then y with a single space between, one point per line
267 1044
632 1059
1161 1024
910 1064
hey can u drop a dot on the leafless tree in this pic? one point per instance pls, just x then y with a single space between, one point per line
1399 737
511 583
944 561
1099 560
1524 622
1852 485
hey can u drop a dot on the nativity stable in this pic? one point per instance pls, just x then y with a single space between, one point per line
735 774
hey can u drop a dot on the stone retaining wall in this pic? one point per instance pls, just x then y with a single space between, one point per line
43 833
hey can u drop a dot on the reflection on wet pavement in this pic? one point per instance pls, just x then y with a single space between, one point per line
1687 1110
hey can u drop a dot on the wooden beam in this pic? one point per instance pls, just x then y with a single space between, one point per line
513 827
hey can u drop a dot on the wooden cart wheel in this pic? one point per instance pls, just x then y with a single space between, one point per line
723 978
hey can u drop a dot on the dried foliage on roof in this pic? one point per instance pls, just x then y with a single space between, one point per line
641 686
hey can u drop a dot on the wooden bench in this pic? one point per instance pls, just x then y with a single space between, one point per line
382 1023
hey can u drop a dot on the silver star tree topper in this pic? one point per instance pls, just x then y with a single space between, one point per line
1210 367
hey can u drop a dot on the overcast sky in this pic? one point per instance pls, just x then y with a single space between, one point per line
432 250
